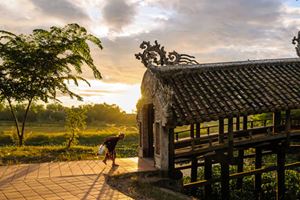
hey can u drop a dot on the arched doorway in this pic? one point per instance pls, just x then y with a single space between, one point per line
146 131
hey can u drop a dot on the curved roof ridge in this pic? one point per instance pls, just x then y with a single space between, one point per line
218 65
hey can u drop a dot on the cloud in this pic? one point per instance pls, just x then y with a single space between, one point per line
60 8
118 14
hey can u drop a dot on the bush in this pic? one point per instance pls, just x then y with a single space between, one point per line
6 139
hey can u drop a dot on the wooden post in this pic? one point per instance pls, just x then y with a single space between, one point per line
194 169
238 123
221 130
258 164
225 180
280 173
276 121
192 131
288 123
230 137
240 168
245 122
207 176
171 151
198 130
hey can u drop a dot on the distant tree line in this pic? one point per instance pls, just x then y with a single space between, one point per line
56 113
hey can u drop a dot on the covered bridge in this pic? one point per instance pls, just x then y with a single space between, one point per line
214 101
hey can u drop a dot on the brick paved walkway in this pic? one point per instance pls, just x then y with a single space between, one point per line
65 180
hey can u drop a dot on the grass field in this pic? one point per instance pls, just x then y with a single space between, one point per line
45 143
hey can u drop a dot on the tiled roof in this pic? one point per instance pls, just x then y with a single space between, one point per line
206 92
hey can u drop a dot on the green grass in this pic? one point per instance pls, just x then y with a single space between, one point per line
45 143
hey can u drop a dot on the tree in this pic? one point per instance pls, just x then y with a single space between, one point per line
75 123
38 65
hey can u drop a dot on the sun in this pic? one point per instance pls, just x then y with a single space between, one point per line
122 94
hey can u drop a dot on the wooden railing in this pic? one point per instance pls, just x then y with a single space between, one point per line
251 125
241 175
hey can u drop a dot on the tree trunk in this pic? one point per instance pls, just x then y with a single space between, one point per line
24 122
70 140
16 121
20 133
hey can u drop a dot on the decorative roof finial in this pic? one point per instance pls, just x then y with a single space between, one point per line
297 40
156 55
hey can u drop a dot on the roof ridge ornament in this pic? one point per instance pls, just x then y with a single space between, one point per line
297 41
156 55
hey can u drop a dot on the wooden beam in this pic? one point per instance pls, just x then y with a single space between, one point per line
192 131
240 175
171 151
238 123
258 165
230 137
194 169
288 123
245 122
198 130
225 180
280 174
240 168
207 176
221 130
276 121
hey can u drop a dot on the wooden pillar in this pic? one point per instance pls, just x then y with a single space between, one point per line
194 169
245 122
276 121
240 168
221 130
280 173
230 137
287 127
225 180
207 176
258 164
171 151
238 123
192 131
198 130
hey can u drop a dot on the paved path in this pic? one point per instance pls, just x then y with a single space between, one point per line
65 180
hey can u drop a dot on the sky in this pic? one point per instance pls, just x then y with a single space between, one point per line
212 31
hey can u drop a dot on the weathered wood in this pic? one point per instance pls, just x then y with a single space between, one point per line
258 165
198 130
194 169
240 175
230 137
240 168
245 122
225 180
288 123
171 151
207 176
237 123
221 130
192 131
276 121
280 173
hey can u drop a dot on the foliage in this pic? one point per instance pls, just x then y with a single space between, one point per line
36 66
75 123
96 114
38 154
47 143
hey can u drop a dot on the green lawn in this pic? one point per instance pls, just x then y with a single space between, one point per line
45 143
